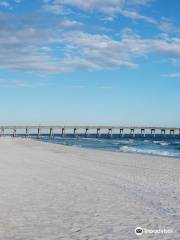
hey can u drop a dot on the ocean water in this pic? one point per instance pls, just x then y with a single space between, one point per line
167 145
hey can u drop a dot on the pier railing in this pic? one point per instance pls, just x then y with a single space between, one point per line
132 130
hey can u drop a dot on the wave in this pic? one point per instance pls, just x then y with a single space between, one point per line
162 143
126 141
148 151
145 146
156 141
88 138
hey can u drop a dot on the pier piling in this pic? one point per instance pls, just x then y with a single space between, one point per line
110 132
75 132
98 133
14 132
2 132
39 133
121 132
172 132
86 132
63 132
153 132
132 132
27 132
51 133
163 132
143 133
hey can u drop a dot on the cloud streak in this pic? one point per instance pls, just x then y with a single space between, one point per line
8 4
112 8
173 75
21 84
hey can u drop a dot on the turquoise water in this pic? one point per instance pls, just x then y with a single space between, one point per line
160 145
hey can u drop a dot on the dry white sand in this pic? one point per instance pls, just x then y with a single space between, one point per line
52 192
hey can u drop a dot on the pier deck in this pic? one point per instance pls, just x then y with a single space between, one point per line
87 128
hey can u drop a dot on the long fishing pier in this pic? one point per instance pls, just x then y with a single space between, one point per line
62 130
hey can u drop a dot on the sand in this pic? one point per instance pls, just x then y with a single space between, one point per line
52 192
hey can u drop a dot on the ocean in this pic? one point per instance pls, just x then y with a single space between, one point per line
168 145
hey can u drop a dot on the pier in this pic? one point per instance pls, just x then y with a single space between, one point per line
109 130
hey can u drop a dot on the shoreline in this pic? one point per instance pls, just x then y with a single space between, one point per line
50 191
93 149
109 150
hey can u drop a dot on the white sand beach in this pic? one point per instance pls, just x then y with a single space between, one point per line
52 192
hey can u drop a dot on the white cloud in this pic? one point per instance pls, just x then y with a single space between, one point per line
99 4
70 24
65 46
5 4
136 16
172 75
99 51
110 8
75 87
6 83
107 87
157 46
109 53
175 62
8 4
53 8
167 26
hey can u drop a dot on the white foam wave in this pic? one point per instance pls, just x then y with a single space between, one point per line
147 151
164 143
89 139
126 141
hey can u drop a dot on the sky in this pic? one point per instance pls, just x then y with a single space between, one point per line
114 62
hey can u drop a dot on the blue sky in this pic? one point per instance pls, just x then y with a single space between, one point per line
90 62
